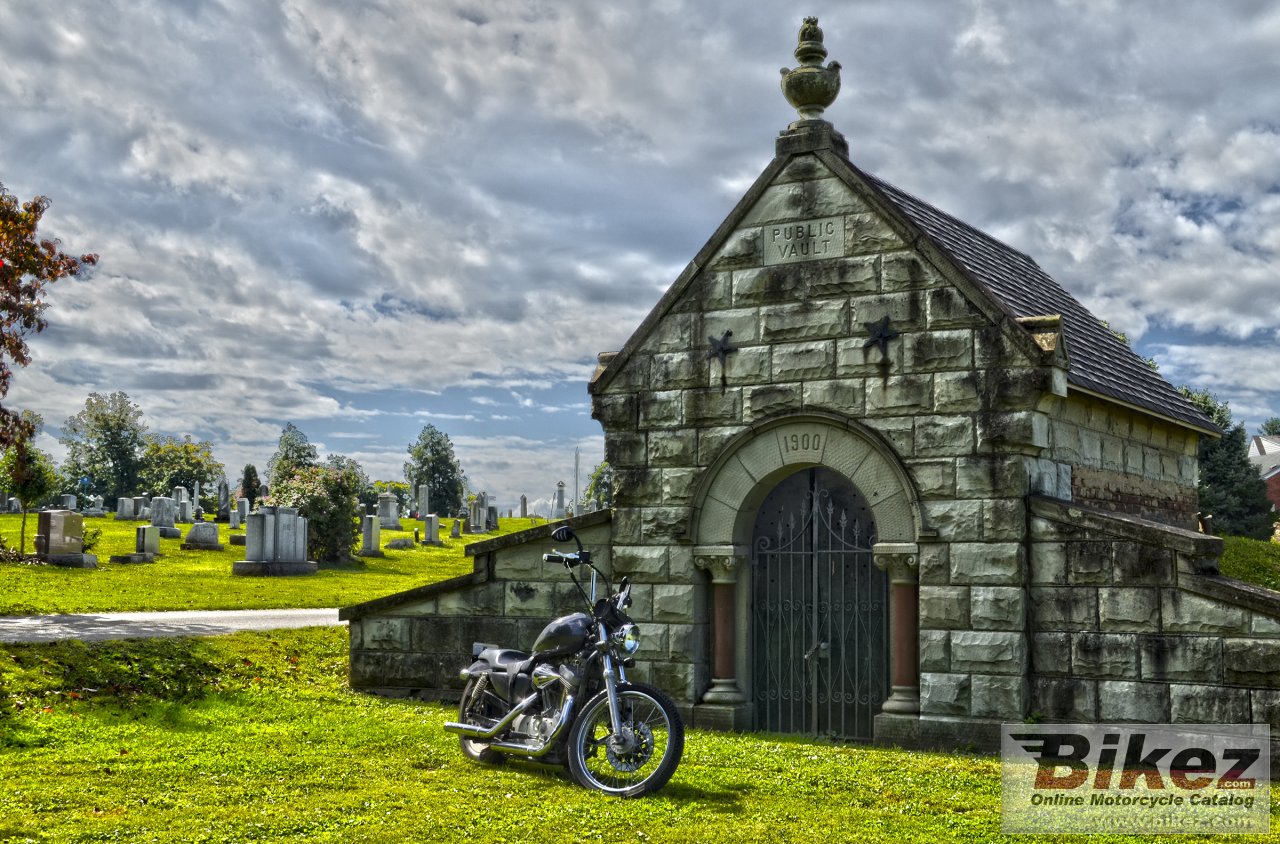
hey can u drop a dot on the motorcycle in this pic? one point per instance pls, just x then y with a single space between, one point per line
625 740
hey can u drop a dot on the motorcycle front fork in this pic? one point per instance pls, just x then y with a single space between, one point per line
613 674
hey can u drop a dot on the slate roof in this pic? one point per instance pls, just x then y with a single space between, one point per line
1099 362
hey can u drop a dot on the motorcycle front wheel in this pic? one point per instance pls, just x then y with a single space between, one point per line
641 757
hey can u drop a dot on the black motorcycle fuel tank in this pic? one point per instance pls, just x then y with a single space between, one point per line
564 635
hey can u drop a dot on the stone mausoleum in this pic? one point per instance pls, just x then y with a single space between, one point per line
878 477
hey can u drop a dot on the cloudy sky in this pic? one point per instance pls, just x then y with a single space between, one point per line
365 217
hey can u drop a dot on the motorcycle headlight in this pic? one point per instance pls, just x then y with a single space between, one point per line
628 638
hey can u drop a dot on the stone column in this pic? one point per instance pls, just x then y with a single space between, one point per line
900 560
723 564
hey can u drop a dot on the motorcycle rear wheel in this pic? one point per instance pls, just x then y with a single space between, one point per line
649 754
477 751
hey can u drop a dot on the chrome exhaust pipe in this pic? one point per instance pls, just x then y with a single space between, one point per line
535 750
474 732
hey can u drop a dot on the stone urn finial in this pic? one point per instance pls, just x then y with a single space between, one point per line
810 88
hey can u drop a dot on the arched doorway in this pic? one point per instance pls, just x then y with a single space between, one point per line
819 609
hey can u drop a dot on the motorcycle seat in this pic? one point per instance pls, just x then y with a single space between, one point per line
503 657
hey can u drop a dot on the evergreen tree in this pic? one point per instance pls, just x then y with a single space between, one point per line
1231 490
431 461
249 484
1271 427
293 452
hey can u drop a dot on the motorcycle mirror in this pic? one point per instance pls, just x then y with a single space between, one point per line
562 534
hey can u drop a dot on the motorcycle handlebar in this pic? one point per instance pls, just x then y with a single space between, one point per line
568 560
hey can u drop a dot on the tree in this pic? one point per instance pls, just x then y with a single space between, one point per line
399 489
104 444
27 264
293 452
1271 427
366 494
1231 490
431 461
327 498
249 484
599 488
30 476
168 462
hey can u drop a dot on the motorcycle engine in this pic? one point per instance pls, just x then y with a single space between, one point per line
540 723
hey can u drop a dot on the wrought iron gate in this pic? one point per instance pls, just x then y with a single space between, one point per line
819 610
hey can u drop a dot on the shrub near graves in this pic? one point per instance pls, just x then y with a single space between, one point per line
327 498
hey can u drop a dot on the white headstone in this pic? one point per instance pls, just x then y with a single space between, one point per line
371 537
124 509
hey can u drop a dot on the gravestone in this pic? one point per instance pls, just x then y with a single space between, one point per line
197 512
163 513
60 539
124 509
400 544
146 546
233 518
224 501
180 494
68 502
491 519
275 544
456 531
242 506
424 499
263 491
95 507
184 512
388 511
203 536
524 507
15 506
476 513
431 530
370 537
140 503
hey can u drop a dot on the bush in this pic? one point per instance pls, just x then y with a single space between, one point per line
327 498
1251 560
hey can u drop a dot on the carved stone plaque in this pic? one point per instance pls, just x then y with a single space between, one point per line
804 240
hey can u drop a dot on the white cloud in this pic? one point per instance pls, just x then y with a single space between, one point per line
357 218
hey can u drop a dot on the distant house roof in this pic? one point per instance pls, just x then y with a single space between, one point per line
1099 361
1264 452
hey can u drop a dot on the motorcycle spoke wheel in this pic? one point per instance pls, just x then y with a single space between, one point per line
642 757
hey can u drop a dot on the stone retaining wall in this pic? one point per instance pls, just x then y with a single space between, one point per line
413 644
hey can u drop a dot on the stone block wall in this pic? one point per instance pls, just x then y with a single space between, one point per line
1131 622
1124 461
415 643
954 395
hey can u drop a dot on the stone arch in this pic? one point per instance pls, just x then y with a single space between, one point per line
736 483
727 501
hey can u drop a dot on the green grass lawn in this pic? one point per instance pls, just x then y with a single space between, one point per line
186 580
256 737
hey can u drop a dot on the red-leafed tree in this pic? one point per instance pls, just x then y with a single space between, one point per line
27 264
